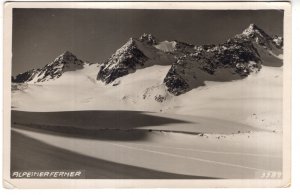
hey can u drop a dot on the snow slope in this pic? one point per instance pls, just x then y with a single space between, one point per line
79 90
254 101
166 46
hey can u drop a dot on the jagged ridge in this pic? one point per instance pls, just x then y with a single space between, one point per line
191 65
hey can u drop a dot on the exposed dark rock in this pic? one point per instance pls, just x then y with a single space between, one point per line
148 38
63 63
126 59
24 77
174 82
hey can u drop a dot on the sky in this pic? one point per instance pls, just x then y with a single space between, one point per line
93 35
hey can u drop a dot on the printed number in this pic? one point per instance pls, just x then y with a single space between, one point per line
271 175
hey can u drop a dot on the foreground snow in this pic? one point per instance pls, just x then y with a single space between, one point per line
216 156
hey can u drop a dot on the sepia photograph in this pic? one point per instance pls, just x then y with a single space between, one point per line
160 93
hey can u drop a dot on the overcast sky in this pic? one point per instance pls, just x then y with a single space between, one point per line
40 35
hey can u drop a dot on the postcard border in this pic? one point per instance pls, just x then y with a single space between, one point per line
148 183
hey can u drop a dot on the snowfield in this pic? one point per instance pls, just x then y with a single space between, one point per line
215 156
254 102
220 130
166 46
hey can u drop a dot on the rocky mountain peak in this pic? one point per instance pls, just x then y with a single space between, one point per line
63 63
125 48
278 41
148 38
121 62
256 35
254 30
251 28
67 53
66 57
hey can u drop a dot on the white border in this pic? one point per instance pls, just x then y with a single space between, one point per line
128 183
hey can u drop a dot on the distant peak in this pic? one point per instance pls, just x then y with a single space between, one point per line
67 53
253 28
130 40
148 38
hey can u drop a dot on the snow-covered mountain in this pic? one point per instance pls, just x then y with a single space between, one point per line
257 35
134 54
190 65
147 74
63 63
